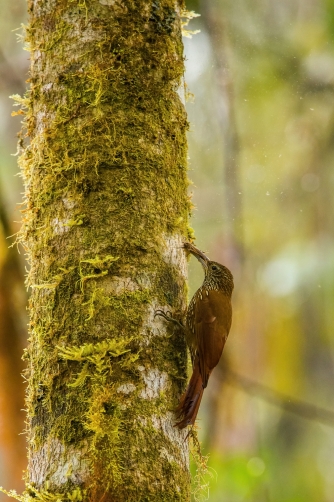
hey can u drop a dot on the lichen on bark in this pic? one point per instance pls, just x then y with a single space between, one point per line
106 212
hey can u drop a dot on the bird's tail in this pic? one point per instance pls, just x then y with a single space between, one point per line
187 410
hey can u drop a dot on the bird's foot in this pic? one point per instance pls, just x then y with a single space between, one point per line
168 317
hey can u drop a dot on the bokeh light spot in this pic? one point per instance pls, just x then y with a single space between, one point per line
280 276
310 182
256 466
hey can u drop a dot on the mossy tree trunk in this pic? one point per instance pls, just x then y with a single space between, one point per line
105 175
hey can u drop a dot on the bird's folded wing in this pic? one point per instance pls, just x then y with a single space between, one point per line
212 324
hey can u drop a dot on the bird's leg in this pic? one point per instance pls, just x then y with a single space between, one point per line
168 317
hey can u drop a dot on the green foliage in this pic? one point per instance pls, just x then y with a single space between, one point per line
329 17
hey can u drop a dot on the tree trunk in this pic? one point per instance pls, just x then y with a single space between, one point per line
214 17
107 208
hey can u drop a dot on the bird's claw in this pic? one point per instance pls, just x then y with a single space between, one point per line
168 317
161 313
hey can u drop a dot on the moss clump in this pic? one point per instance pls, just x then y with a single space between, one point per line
31 494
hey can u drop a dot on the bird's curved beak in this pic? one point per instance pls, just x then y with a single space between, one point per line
203 261
201 257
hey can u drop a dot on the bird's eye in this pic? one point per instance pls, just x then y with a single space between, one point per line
214 267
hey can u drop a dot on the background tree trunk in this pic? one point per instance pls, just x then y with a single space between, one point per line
12 340
107 208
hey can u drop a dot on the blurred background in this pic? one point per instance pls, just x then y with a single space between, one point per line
260 78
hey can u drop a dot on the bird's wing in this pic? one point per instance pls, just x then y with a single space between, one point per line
212 324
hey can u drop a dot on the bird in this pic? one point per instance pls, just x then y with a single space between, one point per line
207 324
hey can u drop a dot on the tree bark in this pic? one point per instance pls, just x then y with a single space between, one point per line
106 214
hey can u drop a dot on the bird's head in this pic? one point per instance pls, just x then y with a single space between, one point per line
217 276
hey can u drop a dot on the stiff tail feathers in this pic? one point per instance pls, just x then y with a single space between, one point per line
187 410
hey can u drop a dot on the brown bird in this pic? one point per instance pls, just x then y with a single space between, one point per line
208 322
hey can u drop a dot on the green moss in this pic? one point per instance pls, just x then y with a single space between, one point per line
77 221
32 494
